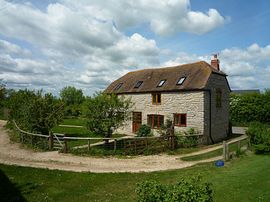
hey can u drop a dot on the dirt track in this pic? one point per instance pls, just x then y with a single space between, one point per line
14 154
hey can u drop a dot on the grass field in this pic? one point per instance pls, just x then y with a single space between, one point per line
244 179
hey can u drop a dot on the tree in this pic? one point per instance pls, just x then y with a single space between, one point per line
34 111
106 112
73 98
250 107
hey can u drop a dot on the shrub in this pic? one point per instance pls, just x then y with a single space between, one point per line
144 131
250 107
191 189
187 140
259 135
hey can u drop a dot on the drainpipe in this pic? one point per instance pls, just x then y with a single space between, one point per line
210 116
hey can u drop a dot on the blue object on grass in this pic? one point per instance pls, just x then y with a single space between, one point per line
219 163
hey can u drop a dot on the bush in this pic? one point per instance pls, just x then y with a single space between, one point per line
144 131
187 140
259 135
192 189
250 107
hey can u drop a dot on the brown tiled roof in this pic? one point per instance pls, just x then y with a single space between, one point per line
196 74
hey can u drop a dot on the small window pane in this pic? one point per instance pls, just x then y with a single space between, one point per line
156 98
161 121
138 84
161 83
181 81
183 119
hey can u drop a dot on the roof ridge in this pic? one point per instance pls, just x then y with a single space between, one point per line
161 68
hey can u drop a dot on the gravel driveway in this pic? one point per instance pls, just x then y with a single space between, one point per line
13 154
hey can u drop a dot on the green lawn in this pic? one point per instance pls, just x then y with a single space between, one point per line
74 132
243 179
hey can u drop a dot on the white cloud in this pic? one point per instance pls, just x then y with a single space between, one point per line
165 17
68 40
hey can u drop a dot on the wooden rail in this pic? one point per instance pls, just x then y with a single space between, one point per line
226 152
60 141
28 133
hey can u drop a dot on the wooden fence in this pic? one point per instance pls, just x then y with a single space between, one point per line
38 140
226 146
127 144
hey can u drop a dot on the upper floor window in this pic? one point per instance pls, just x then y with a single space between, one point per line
156 98
181 81
118 86
218 98
180 120
161 83
138 84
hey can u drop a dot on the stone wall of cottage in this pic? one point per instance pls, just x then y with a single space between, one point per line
190 102
219 115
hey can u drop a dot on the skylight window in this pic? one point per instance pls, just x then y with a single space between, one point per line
161 83
138 84
181 80
118 86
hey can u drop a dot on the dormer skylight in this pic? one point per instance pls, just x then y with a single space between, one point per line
161 83
118 86
181 80
138 84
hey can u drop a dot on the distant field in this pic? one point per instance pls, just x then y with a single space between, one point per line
244 179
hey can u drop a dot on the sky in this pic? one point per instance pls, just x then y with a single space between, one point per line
51 44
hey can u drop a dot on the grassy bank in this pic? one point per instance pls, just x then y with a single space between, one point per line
244 179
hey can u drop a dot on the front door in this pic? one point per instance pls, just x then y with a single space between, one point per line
136 121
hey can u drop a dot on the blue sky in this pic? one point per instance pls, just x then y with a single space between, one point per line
88 43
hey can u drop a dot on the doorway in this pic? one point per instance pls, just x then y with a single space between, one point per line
136 121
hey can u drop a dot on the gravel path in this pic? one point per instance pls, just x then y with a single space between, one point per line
14 154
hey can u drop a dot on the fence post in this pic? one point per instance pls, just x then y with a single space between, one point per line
88 147
114 146
239 145
65 144
50 141
225 151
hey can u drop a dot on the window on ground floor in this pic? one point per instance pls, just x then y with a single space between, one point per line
155 121
180 120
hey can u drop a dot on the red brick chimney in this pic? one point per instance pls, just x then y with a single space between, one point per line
215 62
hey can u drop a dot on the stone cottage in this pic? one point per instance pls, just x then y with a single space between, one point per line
191 95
